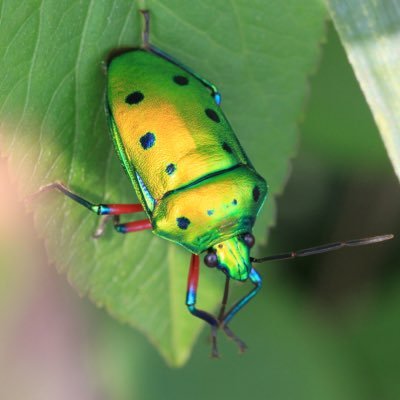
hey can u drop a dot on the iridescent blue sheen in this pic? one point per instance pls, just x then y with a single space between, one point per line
170 169
191 296
256 280
150 201
121 228
147 140
102 209
183 222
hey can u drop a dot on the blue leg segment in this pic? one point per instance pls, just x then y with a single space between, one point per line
255 278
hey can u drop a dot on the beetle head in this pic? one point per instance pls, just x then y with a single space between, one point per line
232 256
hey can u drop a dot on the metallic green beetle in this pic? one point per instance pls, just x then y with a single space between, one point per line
193 179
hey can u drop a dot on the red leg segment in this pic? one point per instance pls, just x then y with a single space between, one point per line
105 210
191 295
134 226
118 209
193 280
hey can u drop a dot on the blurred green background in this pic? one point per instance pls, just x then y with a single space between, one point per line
323 327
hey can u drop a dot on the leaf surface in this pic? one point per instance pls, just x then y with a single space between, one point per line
53 127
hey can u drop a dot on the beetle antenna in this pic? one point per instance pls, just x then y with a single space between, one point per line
323 248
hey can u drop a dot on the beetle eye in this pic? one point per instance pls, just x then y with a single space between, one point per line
249 240
211 259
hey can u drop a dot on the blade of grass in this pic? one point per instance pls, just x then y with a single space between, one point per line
370 33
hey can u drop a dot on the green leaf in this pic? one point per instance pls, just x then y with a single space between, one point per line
53 127
332 129
288 342
369 31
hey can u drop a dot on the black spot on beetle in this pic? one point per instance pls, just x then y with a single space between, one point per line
212 114
170 169
183 222
227 148
181 80
148 140
134 98
256 193
210 212
234 202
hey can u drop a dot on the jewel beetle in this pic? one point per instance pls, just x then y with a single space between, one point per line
195 184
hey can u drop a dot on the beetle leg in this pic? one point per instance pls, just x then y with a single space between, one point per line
99 209
134 226
146 29
101 227
256 280
191 295
149 47
221 315
213 89
105 210
126 227
224 300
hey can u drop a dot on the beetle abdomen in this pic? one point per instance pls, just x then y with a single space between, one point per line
170 128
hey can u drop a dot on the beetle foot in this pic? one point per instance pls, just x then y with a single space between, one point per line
239 342
214 347
46 188
101 227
